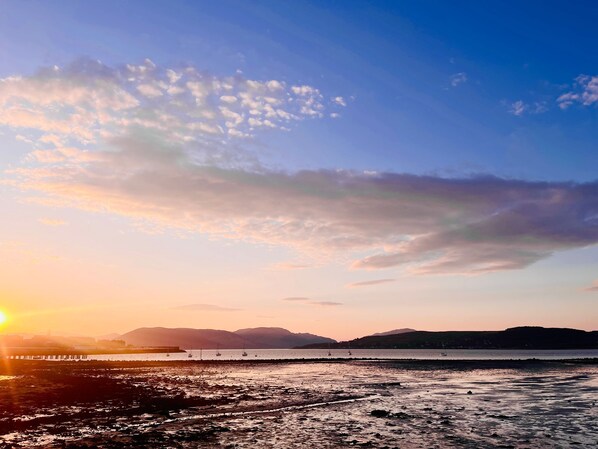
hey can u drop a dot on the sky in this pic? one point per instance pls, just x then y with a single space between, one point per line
334 167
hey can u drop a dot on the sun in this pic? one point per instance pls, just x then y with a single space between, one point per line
3 318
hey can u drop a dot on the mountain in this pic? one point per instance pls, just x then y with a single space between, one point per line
186 338
514 338
393 332
277 337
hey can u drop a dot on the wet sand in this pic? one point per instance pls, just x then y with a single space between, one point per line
290 404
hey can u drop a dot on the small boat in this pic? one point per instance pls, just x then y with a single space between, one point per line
218 351
244 353
190 355
329 353
349 351
443 354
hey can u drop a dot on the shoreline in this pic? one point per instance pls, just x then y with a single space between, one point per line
9 365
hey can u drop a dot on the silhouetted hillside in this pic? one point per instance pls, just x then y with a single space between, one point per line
258 338
513 338
393 332
277 337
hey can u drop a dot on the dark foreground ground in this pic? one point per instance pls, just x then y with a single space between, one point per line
317 404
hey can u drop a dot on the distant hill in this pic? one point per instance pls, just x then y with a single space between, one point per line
186 338
513 338
393 332
277 337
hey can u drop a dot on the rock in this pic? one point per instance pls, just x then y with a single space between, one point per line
380 413
469 392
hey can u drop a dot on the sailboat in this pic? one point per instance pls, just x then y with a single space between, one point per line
329 353
244 354
349 351
218 351
443 353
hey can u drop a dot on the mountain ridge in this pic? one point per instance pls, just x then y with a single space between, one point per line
250 338
523 337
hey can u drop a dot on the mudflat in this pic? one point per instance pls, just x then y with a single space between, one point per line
290 404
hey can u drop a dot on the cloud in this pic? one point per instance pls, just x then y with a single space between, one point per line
173 161
205 308
52 222
340 101
474 224
593 287
308 301
458 78
585 92
368 283
88 101
518 108
327 303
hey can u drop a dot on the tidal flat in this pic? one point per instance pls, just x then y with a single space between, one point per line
293 404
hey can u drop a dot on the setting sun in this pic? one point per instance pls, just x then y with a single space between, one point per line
3 318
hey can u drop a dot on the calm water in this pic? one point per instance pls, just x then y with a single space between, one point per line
418 354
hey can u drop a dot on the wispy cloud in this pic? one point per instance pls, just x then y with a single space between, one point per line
519 108
158 161
585 92
593 287
52 221
458 78
205 308
368 283
309 301
327 303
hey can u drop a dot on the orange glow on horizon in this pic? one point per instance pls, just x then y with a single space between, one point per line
3 318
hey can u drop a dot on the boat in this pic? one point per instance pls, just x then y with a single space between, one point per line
349 351
190 355
443 354
244 354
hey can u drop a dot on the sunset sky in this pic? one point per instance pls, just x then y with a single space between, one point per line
333 167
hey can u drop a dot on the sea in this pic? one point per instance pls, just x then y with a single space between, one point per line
363 354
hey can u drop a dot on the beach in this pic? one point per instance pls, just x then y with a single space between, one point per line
284 404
